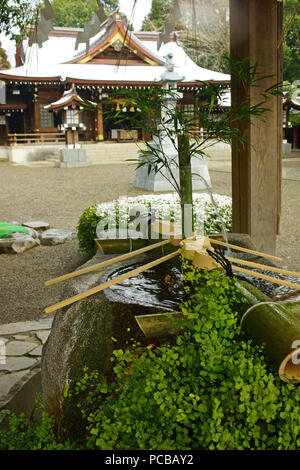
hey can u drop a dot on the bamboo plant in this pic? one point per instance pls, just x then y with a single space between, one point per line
220 123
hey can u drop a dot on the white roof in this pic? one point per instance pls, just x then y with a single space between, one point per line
66 97
50 61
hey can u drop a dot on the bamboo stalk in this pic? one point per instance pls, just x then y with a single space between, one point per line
267 278
263 266
106 263
186 186
246 250
110 283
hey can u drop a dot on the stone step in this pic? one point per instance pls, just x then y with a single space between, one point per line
97 152
105 152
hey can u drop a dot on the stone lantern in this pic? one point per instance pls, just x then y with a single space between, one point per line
160 181
71 104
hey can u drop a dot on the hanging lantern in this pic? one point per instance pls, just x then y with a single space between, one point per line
131 110
118 107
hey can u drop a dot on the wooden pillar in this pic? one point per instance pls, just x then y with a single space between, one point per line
25 122
255 30
197 122
99 122
294 144
36 115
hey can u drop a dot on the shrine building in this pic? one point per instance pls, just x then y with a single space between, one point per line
37 90
291 127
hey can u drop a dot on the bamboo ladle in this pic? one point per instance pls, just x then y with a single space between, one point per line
112 282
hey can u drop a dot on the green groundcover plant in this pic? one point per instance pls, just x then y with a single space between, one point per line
207 388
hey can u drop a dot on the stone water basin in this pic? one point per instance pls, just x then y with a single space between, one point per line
162 286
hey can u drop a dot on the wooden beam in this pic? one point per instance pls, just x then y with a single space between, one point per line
245 250
112 282
106 263
281 282
255 28
36 114
263 267
99 122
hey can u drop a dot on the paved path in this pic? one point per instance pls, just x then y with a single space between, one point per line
20 354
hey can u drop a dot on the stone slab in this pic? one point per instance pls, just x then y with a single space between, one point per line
72 158
6 383
17 363
38 351
22 337
72 164
19 348
55 236
19 327
161 181
18 243
37 225
22 398
43 335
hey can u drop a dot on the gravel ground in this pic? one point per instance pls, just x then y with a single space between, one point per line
59 196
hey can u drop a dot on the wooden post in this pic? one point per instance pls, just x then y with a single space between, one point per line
24 123
36 114
99 122
197 122
255 28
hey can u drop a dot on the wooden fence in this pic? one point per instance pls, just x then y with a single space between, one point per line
37 139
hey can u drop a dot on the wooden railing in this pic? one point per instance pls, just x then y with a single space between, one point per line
36 139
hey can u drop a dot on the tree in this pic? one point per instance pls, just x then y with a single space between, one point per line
204 32
203 28
155 20
206 35
291 41
74 13
16 16
4 62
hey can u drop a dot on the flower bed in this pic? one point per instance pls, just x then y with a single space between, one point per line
207 218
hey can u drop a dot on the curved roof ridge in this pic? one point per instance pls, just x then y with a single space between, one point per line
113 24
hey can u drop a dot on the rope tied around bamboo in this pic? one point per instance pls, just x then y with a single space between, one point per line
221 259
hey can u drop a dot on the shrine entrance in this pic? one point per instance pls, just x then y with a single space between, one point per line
121 129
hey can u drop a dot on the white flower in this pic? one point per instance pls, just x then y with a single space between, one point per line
208 213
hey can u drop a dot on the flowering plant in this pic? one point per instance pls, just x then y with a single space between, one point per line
208 218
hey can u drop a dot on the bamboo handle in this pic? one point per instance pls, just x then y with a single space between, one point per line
267 278
110 283
106 263
263 266
246 250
